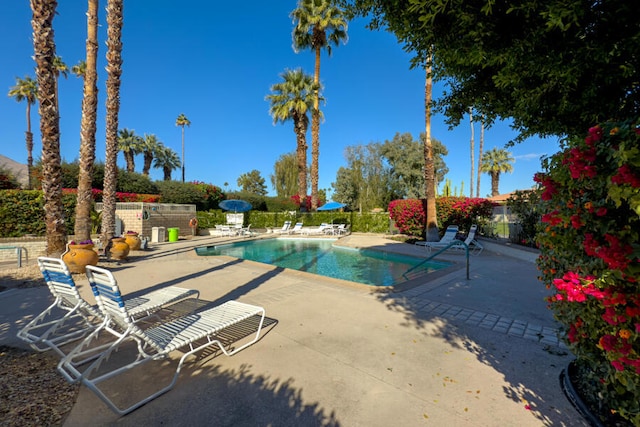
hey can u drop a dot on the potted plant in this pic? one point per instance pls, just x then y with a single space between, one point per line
80 254
133 240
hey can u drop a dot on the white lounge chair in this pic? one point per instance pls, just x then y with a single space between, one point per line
475 247
322 229
296 228
448 237
70 317
285 228
192 332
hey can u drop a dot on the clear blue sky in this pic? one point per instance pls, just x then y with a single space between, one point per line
215 63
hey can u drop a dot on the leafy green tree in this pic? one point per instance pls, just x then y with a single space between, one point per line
26 90
182 121
167 160
290 100
130 145
406 159
555 67
365 183
7 180
285 178
495 162
252 183
319 24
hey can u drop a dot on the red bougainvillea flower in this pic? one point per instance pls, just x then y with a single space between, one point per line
627 176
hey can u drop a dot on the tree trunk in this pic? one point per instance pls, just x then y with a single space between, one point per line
84 203
480 149
44 51
182 153
315 134
300 129
429 164
114 70
148 159
473 149
495 181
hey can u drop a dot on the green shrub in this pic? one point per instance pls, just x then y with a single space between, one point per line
22 212
526 206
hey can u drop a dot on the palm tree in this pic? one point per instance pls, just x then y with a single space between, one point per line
480 150
431 213
148 146
494 162
44 51
319 25
290 100
182 121
167 160
60 68
473 149
130 145
87 70
114 70
80 68
26 90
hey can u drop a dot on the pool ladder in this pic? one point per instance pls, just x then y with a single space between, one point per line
429 258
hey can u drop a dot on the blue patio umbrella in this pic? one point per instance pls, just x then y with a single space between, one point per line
235 205
331 206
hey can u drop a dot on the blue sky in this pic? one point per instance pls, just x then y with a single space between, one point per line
215 64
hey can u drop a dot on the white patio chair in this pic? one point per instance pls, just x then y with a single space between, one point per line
190 333
70 318
475 247
448 237
285 228
296 228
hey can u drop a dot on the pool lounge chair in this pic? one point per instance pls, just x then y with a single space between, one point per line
190 333
449 236
70 317
285 228
322 229
296 228
475 247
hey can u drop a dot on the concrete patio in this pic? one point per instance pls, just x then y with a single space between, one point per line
443 351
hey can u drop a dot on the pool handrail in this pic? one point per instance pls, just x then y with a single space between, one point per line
430 257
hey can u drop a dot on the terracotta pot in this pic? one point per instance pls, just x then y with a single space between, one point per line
79 256
133 240
119 248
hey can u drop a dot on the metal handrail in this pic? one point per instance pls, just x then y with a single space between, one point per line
429 258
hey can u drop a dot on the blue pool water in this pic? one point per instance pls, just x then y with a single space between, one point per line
319 256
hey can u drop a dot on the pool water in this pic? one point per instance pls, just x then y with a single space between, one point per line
319 256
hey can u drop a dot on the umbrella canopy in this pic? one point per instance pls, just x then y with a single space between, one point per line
235 205
331 206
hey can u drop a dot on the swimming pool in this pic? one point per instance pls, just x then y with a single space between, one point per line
320 256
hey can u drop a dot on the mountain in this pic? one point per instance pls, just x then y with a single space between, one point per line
17 169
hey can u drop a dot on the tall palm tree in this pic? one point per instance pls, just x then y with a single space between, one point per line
60 68
495 162
431 214
130 145
480 153
167 160
26 90
114 70
182 121
472 150
319 24
148 146
44 49
87 70
80 68
290 100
